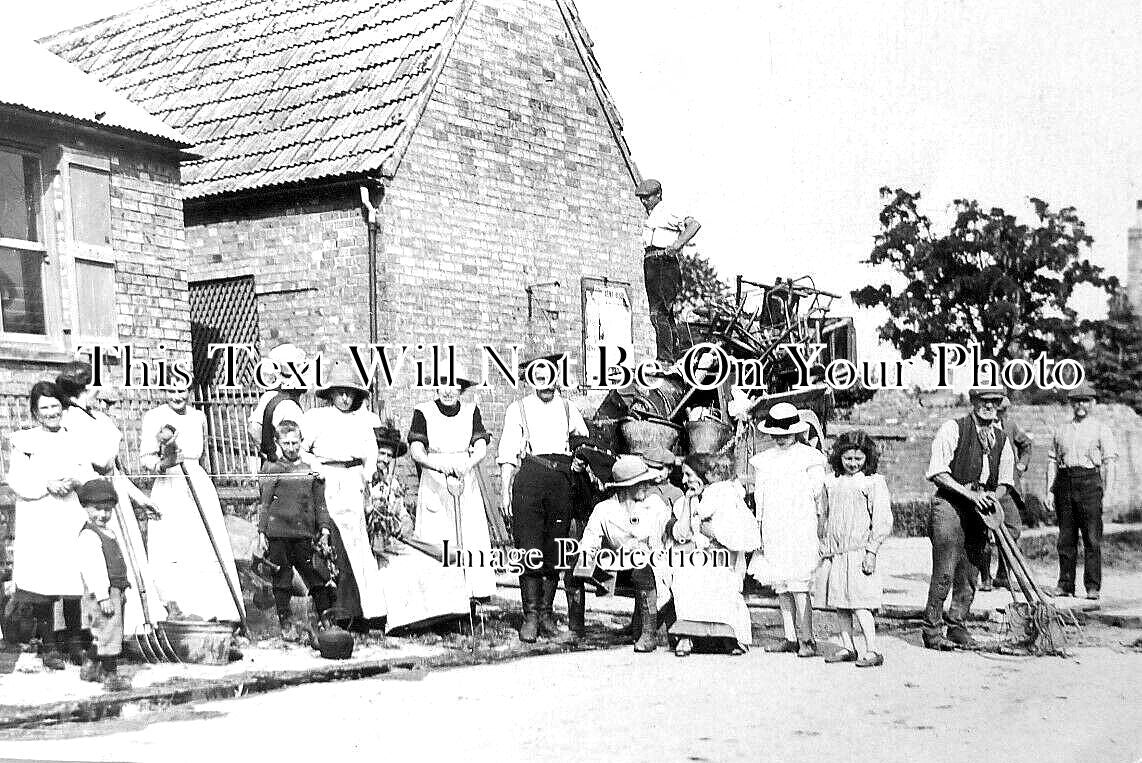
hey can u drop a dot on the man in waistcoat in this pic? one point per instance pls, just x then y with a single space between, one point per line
972 466
535 448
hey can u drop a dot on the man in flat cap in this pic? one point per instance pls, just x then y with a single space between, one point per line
663 236
1080 466
972 466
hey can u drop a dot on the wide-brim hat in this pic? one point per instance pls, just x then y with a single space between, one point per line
1082 392
458 378
783 419
286 352
659 457
631 470
554 358
389 437
345 378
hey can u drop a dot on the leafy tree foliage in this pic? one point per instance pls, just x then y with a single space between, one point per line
989 280
1114 366
701 286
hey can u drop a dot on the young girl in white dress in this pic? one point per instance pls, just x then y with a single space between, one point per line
789 483
860 519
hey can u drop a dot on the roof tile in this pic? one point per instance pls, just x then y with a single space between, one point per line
271 91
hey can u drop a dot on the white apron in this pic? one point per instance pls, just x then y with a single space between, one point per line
46 559
184 564
345 501
450 436
332 435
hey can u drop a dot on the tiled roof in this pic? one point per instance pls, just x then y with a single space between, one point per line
60 89
273 92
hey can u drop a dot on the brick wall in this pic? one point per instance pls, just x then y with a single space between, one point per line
307 252
150 272
906 436
513 178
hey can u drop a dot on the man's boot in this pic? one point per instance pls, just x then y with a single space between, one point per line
577 610
548 625
647 602
286 627
531 594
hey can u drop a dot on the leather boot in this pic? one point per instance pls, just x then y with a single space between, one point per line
647 602
531 594
633 630
548 625
577 610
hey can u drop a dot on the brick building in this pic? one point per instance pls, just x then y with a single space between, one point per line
479 130
91 241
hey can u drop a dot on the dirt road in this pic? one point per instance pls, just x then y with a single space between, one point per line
616 705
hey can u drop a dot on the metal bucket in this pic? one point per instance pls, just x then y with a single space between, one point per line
200 642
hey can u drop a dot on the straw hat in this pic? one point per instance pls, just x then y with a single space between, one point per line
631 470
659 457
343 378
783 419
286 352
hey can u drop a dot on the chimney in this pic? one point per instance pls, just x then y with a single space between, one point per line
1134 261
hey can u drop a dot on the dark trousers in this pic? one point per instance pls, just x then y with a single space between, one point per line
1014 524
663 277
541 513
1078 507
959 543
294 553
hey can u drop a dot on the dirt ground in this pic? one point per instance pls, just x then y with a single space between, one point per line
615 704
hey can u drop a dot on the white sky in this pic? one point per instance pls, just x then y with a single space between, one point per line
774 123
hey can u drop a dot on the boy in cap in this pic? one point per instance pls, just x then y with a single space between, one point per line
664 234
104 573
291 516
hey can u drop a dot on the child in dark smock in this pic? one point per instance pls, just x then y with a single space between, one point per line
104 573
291 518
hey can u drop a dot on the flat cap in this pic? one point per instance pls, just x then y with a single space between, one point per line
987 393
648 187
97 491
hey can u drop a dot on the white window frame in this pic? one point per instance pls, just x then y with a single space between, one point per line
78 251
52 338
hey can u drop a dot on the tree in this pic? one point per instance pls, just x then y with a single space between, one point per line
1115 363
990 280
702 291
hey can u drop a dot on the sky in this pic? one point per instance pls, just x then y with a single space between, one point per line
775 123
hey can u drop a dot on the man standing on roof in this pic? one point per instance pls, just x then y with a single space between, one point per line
536 441
1080 466
663 236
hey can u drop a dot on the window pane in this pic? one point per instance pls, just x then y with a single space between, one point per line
90 206
19 196
21 291
96 307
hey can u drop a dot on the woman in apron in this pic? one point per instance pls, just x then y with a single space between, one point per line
190 578
48 463
447 441
340 438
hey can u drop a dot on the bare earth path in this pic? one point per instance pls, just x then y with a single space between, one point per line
616 705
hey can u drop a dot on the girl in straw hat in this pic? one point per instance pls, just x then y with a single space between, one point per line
632 520
340 437
789 481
